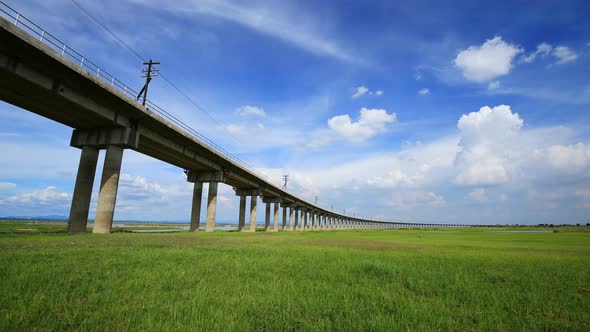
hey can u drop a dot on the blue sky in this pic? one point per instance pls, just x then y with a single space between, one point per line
409 110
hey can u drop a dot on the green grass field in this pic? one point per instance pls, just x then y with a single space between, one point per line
473 279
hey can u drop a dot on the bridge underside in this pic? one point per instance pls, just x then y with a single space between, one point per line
37 78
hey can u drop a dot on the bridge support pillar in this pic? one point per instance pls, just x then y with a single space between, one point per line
211 207
253 200
291 217
83 190
267 217
284 218
103 222
196 207
242 217
296 222
276 218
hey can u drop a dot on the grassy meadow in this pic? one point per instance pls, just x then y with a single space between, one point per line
472 279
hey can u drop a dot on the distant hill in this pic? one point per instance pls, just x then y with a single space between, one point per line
49 217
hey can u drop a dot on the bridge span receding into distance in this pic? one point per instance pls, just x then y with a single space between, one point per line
41 74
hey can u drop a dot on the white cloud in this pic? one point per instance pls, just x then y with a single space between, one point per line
293 25
413 199
7 185
486 137
371 123
487 121
479 195
363 90
248 110
543 50
571 159
418 76
424 91
564 54
488 61
46 196
494 85
360 91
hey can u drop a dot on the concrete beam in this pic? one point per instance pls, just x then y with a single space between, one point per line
103 222
177 148
215 176
103 137
266 199
248 192
83 190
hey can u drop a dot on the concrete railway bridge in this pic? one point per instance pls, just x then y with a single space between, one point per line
41 74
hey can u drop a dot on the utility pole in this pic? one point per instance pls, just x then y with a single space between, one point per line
316 200
286 179
148 72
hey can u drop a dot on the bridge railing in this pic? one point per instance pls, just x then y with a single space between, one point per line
48 39
35 30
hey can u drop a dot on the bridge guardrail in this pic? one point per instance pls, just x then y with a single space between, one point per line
23 22
48 39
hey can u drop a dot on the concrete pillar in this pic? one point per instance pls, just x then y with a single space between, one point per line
242 216
267 217
103 222
211 207
196 209
304 226
291 217
312 224
83 190
284 218
296 222
277 217
253 200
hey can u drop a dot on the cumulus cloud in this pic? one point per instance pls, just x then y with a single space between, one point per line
249 110
378 92
413 199
488 61
486 136
46 196
543 50
564 54
371 123
424 91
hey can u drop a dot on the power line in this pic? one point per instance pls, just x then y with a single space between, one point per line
130 49
104 26
159 109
